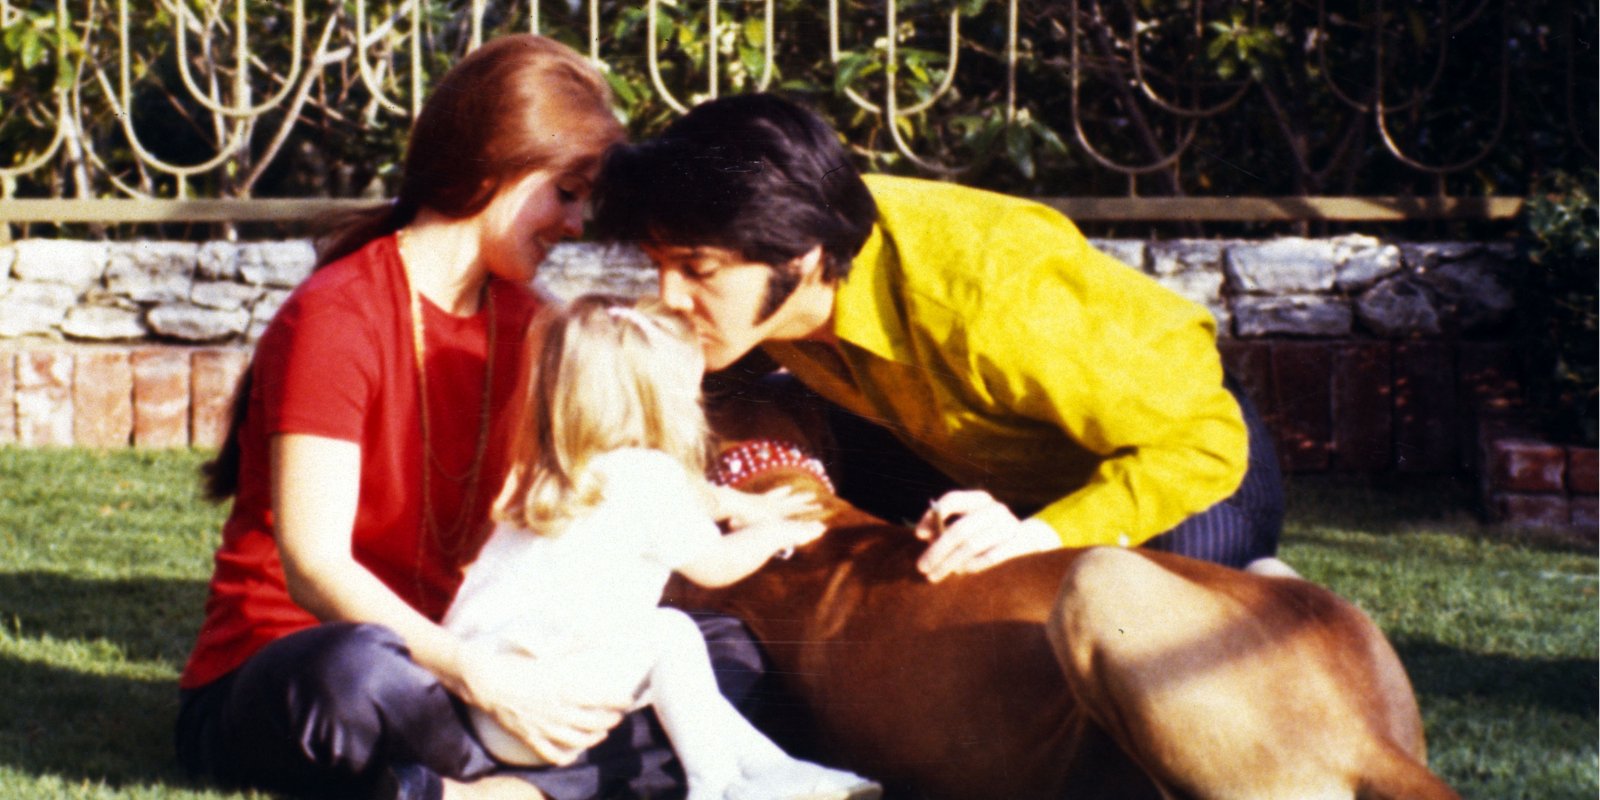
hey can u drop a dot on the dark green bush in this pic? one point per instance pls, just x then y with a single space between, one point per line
1559 302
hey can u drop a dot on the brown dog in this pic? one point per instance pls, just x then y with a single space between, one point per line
1077 673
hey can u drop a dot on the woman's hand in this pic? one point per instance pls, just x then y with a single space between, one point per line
551 704
970 531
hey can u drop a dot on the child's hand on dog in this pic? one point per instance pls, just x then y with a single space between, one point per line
744 509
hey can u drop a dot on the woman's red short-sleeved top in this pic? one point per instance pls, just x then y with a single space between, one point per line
338 361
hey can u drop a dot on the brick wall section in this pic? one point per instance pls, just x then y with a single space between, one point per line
1360 405
8 402
1527 481
1528 466
110 397
1536 510
1365 406
1581 469
1584 515
1583 490
1418 407
102 399
1250 363
1425 385
1339 405
43 398
1362 408
213 376
1490 388
161 394
1301 404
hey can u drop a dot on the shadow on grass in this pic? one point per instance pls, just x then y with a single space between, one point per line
75 711
1507 727
146 618
1562 685
85 727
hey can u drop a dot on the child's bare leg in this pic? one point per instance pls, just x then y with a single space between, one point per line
708 734
722 753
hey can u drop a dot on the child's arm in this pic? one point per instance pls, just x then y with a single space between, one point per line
735 556
740 509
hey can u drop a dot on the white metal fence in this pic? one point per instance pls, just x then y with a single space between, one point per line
368 62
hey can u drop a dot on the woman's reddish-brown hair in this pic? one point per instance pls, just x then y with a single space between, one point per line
517 104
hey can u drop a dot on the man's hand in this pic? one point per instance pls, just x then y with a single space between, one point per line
970 531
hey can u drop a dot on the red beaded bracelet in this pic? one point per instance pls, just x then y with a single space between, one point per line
756 456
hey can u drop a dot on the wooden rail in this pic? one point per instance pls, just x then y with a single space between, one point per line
1096 209
1284 209
121 211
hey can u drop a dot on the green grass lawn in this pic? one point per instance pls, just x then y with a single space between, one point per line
105 558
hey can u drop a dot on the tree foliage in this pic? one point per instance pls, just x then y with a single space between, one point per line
1154 97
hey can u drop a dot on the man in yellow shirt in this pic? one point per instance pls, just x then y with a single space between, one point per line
1036 392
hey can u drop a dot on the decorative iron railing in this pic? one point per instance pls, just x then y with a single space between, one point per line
183 100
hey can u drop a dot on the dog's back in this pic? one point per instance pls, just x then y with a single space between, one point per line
949 689
1010 683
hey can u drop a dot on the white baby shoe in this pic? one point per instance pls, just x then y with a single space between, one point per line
793 779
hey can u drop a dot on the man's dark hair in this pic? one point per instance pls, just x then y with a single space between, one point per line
751 173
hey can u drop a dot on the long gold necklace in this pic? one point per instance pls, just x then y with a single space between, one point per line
453 540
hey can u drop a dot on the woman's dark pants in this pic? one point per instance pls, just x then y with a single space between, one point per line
321 712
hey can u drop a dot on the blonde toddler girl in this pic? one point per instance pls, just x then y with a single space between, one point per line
606 499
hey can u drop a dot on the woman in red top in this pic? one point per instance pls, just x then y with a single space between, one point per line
366 451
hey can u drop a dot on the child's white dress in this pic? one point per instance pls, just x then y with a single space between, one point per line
597 578
592 593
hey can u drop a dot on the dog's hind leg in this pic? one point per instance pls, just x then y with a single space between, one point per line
1224 684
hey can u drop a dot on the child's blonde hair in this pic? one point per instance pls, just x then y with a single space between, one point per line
604 373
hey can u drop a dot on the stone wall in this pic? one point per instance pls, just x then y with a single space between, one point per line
224 293
145 291
1334 288
1363 355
